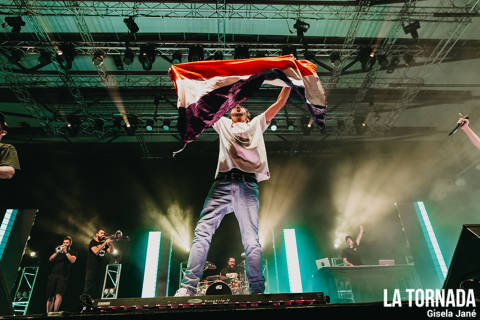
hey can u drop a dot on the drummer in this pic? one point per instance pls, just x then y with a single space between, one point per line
231 270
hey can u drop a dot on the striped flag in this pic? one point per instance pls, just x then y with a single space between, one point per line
209 89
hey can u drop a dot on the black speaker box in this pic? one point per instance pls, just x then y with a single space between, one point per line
465 265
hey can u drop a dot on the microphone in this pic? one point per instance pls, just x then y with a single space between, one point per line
459 125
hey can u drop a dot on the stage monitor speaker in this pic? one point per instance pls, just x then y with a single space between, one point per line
464 269
5 301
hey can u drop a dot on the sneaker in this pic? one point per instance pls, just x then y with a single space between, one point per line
183 292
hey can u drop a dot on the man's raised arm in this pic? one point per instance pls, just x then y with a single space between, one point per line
279 104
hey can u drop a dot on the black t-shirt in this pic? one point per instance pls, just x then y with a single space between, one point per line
95 261
352 255
61 265
226 270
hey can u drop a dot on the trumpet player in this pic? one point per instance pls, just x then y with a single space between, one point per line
61 261
98 247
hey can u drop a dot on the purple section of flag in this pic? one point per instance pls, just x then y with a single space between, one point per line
212 106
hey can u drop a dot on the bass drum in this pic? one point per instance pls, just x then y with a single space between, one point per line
218 288
202 288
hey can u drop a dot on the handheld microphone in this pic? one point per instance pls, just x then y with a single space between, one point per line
459 125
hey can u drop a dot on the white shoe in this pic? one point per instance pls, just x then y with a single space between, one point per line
183 292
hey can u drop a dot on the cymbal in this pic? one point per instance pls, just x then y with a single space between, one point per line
216 277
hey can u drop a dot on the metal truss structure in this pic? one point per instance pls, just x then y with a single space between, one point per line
24 290
21 82
440 52
221 10
40 32
111 282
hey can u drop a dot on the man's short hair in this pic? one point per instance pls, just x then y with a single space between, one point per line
68 238
348 237
98 230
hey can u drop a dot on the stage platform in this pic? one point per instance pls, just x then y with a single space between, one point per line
221 306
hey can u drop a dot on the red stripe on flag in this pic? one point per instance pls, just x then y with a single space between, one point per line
243 67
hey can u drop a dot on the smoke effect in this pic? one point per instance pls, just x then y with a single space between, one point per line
278 197
175 221
365 187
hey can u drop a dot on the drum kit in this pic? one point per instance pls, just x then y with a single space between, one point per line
231 283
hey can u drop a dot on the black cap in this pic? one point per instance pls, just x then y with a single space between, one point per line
3 123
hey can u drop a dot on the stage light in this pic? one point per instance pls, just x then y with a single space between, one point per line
431 239
118 62
33 254
44 58
383 61
98 57
117 125
16 56
176 58
115 252
131 124
98 124
289 50
128 56
409 60
65 55
335 58
151 265
365 57
393 64
273 125
147 56
301 28
73 125
16 23
149 124
308 55
412 29
241 52
290 125
195 53
218 55
293 265
166 125
131 25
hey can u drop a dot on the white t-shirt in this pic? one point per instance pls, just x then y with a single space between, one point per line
242 146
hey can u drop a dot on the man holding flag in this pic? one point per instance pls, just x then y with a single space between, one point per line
207 90
242 163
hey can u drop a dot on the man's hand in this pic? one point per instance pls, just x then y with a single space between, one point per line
108 241
465 122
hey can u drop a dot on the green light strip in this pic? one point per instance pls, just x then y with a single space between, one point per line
151 265
432 243
294 277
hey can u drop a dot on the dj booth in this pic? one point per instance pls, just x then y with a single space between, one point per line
366 283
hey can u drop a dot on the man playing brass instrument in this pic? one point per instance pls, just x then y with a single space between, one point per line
61 261
98 247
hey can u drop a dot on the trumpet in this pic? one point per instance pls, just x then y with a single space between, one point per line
59 249
115 236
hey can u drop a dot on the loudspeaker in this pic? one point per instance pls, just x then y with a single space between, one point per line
5 301
465 265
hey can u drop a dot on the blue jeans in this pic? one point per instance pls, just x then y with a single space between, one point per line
238 196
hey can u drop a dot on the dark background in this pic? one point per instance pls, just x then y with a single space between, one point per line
78 187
